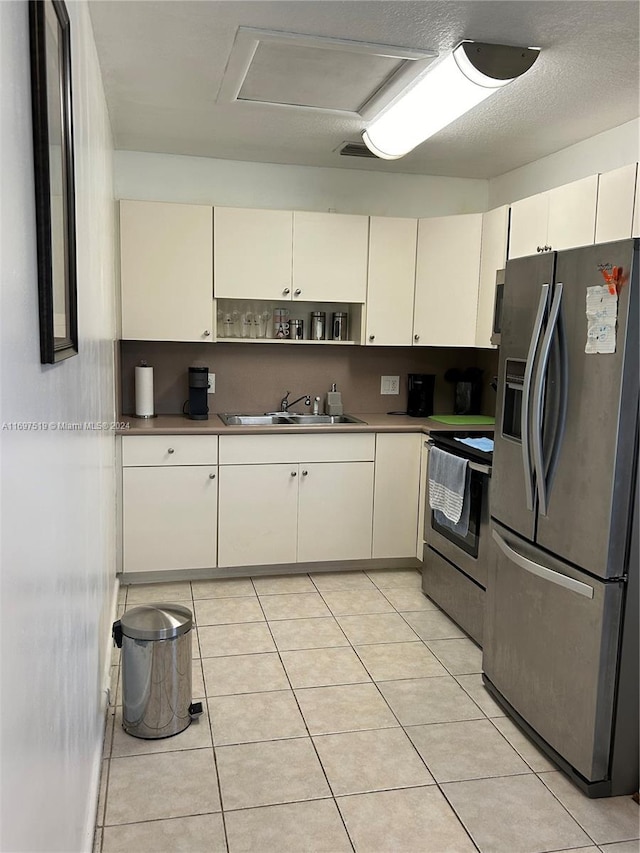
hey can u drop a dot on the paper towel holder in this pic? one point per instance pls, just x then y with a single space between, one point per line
144 364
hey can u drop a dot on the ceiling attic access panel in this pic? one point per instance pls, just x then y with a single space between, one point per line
311 72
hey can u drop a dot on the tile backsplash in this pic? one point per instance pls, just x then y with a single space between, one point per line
254 377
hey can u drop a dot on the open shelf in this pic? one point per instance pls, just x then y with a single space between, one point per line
228 313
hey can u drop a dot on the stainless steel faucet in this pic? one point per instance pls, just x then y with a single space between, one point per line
285 405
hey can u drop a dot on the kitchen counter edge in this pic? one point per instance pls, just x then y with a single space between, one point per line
376 422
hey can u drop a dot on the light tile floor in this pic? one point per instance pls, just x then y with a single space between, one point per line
343 711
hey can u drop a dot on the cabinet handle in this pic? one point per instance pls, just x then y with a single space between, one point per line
212 476
304 473
171 450
372 337
206 333
294 473
286 291
297 292
416 337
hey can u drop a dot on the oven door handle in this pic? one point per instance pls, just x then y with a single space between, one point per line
475 466
481 469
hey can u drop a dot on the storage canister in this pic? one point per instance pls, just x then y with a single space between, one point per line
296 329
340 326
318 325
156 670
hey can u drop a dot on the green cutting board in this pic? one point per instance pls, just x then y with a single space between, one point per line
464 420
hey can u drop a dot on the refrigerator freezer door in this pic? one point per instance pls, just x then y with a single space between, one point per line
550 648
589 499
524 296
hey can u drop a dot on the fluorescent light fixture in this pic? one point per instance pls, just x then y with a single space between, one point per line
451 87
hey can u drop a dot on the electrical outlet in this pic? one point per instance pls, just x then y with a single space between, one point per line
212 383
389 384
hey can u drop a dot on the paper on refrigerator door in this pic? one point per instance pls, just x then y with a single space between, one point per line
602 316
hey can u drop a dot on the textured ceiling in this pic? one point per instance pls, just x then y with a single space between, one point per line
163 63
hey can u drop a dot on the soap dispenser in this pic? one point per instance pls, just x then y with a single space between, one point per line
334 401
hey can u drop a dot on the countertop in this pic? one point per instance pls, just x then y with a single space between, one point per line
373 422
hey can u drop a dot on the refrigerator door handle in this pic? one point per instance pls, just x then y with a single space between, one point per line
526 396
538 399
542 571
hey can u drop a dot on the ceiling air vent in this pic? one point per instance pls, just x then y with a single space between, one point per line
355 149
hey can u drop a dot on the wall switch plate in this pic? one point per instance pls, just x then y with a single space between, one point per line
389 384
212 384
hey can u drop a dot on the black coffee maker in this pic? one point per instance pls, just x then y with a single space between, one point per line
420 398
196 406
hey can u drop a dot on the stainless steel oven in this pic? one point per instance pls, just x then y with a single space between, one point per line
454 568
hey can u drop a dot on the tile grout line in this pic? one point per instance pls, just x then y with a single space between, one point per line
324 773
213 750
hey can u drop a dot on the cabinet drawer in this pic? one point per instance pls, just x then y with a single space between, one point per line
140 450
264 449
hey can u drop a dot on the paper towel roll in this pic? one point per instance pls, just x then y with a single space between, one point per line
144 391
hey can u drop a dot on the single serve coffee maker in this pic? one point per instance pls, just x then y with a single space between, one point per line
420 397
196 406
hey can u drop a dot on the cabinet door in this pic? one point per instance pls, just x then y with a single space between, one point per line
572 214
335 511
493 257
166 253
257 515
396 495
391 281
252 253
422 504
447 277
614 213
330 257
169 518
529 220
636 208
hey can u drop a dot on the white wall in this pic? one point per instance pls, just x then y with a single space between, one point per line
600 153
57 488
200 180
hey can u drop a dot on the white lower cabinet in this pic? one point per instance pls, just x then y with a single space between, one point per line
295 498
267 500
257 518
169 517
335 509
395 502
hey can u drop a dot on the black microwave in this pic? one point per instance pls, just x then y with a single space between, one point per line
497 308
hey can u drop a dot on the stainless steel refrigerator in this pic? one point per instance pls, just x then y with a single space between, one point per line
561 629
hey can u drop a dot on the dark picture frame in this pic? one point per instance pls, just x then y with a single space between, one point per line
50 49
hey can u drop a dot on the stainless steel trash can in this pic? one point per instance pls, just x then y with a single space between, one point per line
156 670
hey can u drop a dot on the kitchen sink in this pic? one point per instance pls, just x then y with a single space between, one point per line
322 420
254 420
287 419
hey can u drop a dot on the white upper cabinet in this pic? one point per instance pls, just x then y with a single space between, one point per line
252 253
572 214
447 276
529 219
166 271
330 257
392 274
493 257
614 214
562 218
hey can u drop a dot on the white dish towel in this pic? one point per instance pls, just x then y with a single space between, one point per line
447 483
